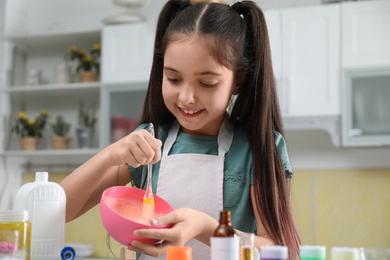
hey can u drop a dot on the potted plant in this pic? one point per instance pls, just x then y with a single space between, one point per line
30 130
86 124
60 128
87 64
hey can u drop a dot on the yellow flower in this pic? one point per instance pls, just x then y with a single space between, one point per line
73 48
96 46
88 58
45 112
81 52
22 115
30 122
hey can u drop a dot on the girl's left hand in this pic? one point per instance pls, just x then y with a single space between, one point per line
187 224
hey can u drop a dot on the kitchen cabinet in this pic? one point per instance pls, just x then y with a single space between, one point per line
45 52
366 34
124 102
126 61
305 46
127 52
127 55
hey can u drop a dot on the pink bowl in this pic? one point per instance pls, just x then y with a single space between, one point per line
121 228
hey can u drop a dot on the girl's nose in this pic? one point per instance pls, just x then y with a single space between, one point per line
187 94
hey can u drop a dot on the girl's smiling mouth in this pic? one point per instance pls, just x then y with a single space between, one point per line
188 112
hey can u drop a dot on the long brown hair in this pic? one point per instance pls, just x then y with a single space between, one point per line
238 38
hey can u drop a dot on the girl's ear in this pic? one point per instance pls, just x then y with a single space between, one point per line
236 89
238 84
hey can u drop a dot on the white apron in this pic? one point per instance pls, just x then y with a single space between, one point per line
194 181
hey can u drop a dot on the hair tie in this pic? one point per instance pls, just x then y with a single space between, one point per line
239 8
184 4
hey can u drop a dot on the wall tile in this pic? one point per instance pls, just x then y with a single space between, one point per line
353 208
302 204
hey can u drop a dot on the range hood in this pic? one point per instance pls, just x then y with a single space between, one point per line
331 124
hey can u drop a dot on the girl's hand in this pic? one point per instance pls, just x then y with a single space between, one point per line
188 224
136 149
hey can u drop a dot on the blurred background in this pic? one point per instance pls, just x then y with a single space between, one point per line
331 62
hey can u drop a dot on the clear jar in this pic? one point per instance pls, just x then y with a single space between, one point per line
19 221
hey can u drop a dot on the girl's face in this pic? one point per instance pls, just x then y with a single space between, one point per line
196 88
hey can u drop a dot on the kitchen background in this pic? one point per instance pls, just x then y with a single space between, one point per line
340 190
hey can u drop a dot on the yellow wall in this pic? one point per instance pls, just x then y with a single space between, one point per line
337 208
331 207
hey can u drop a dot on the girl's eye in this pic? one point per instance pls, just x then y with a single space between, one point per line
208 85
174 81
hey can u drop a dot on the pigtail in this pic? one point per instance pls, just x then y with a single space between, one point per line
257 111
154 109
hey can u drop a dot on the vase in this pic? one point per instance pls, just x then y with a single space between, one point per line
29 143
59 142
62 74
85 137
87 76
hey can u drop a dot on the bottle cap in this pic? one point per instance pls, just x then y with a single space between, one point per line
14 216
41 176
274 252
312 252
179 253
345 253
68 253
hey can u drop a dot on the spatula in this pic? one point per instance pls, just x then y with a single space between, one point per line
148 202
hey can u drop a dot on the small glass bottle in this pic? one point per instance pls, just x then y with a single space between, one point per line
224 229
225 244
247 249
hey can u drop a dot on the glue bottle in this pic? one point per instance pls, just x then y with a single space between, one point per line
45 202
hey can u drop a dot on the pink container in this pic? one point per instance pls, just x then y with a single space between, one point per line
121 228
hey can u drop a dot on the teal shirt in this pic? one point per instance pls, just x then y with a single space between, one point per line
237 170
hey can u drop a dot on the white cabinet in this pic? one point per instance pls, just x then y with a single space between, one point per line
127 53
122 106
306 63
366 34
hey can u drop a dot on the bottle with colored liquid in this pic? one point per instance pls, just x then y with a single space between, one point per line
344 253
247 250
225 244
274 253
179 253
309 252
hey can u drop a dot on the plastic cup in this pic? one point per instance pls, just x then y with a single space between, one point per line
179 253
312 252
274 253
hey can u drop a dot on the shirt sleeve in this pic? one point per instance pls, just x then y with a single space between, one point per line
281 145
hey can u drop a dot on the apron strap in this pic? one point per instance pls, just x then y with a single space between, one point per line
225 137
171 137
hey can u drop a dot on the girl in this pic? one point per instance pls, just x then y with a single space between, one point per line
209 58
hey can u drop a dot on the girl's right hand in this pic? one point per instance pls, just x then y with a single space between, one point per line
136 149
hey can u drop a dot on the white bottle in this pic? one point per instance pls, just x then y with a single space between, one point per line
46 204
